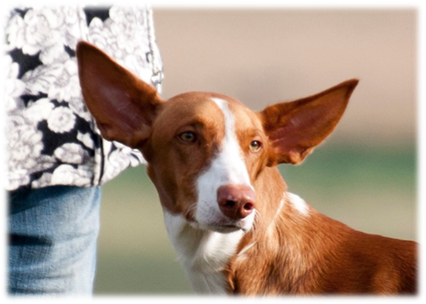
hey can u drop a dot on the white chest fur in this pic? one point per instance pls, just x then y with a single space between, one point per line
203 254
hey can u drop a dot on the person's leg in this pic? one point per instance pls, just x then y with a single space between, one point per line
52 240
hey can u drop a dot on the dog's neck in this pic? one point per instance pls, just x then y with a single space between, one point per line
204 254
288 246
212 260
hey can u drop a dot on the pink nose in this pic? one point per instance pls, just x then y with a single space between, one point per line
236 201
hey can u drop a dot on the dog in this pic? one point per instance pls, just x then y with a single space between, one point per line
228 214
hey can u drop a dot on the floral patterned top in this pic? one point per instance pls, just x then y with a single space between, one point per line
51 137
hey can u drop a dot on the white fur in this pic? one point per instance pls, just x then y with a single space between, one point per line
228 167
202 253
298 203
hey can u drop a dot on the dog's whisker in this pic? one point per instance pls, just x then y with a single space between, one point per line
190 209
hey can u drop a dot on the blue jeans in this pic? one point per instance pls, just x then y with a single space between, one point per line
52 240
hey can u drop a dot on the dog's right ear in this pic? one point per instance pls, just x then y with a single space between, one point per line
123 106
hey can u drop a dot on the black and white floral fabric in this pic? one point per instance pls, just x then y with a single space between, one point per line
51 137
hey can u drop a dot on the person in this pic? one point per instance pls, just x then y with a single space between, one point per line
56 158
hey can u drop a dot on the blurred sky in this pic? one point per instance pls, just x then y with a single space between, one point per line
262 56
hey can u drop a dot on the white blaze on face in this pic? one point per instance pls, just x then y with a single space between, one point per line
227 168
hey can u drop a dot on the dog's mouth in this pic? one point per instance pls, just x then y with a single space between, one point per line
213 220
222 227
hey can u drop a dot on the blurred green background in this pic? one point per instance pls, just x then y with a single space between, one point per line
364 175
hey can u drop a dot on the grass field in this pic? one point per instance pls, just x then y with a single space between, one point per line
370 188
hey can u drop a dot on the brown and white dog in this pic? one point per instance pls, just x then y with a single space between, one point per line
228 214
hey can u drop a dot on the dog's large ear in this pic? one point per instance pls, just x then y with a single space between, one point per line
123 106
295 128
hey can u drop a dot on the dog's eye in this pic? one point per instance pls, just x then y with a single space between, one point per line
255 145
188 137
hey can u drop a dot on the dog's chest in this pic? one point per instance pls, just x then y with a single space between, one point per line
203 254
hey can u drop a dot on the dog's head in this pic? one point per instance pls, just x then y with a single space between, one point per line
205 151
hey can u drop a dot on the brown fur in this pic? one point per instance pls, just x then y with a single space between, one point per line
317 255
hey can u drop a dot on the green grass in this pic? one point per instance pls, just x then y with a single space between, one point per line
369 188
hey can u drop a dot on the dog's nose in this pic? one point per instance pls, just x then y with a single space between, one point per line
236 201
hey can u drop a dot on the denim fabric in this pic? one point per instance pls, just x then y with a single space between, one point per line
52 240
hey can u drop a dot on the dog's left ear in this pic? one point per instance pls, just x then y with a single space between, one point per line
295 128
123 106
